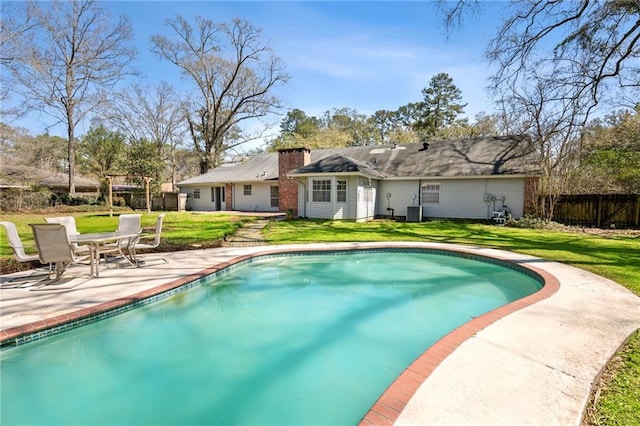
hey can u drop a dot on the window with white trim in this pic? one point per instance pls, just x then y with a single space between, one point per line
275 198
431 193
247 190
321 191
196 193
341 191
213 194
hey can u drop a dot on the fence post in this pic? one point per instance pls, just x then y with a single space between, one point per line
599 211
110 180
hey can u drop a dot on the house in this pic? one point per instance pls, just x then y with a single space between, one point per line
26 176
463 178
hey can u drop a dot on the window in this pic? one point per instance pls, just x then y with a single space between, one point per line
431 193
222 194
321 191
275 202
213 194
247 190
341 191
196 193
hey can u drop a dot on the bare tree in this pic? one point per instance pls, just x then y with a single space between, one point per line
554 125
64 63
154 113
555 62
19 148
233 73
591 48
598 44
14 23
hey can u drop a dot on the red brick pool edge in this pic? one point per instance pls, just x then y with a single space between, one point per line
395 398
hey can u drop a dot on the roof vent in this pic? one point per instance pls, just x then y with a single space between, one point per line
425 146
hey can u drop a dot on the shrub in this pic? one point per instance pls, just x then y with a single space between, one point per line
18 199
68 200
529 222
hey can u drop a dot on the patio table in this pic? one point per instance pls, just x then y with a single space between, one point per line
96 240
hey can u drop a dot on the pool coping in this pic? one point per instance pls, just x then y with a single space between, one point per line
392 404
394 399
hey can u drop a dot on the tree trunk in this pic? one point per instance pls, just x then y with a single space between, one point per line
72 155
204 166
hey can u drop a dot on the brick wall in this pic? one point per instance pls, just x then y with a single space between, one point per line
290 159
228 196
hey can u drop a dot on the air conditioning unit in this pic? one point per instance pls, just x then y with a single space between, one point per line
414 214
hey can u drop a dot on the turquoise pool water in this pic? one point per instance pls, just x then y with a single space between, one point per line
291 340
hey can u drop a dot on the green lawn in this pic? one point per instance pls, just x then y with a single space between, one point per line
179 231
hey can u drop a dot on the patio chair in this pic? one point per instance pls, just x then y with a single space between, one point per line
153 239
69 223
53 246
16 243
127 224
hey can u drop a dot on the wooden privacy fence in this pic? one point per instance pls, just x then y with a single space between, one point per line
602 211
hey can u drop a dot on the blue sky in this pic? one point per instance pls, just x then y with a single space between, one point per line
361 55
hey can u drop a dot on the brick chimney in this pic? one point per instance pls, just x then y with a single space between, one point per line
288 160
228 196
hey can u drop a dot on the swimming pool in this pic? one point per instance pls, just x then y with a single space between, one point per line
286 340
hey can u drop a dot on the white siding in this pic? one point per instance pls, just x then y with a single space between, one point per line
402 194
259 200
464 198
302 201
348 209
459 198
334 209
204 203
320 210
512 190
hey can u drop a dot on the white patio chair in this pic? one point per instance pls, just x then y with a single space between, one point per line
69 223
53 246
153 239
16 243
127 224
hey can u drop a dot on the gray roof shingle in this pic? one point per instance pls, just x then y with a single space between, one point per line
261 167
338 163
500 155
53 180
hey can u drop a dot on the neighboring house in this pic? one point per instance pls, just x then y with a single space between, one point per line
465 178
26 176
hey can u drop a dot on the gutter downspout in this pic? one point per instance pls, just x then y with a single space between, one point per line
304 195
233 196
